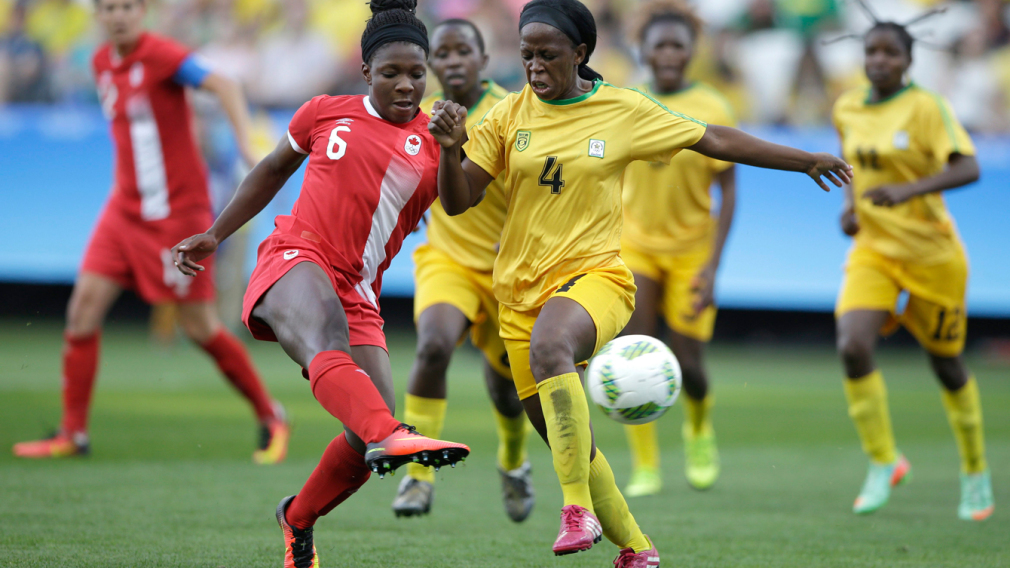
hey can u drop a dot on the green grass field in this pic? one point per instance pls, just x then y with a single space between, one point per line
170 481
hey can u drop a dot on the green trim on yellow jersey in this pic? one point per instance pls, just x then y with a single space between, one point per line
896 94
578 99
662 106
490 87
947 122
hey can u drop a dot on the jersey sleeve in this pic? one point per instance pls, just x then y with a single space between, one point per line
660 132
301 126
942 133
192 71
486 144
166 57
724 117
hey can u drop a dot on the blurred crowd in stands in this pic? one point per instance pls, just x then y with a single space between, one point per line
771 58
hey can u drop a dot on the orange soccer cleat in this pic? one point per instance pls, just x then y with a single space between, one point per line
406 445
58 445
274 436
299 550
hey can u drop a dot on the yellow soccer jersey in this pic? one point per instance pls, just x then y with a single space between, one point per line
562 163
909 136
471 238
668 208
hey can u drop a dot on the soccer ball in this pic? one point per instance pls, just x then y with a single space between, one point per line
634 379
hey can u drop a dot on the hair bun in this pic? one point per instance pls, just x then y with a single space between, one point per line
378 6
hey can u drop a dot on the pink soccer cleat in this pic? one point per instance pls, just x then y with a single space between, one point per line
580 530
628 558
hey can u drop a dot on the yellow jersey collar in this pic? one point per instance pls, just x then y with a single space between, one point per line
578 99
896 94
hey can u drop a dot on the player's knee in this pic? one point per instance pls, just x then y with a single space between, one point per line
197 328
82 315
695 381
550 355
434 352
856 354
951 372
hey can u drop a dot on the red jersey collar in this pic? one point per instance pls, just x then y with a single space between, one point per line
371 110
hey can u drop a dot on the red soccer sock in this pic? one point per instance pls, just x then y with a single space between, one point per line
338 476
233 361
347 392
80 364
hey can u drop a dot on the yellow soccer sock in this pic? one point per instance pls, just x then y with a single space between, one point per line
698 415
618 525
964 411
511 440
868 409
428 416
644 446
566 413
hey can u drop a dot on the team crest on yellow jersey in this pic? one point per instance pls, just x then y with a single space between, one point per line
596 148
522 140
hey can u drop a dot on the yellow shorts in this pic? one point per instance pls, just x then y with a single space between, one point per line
935 313
441 280
674 273
608 294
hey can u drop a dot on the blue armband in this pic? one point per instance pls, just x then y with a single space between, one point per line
191 72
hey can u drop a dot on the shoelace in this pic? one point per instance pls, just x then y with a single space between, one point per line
572 520
301 548
517 487
628 559
975 498
874 480
408 429
701 453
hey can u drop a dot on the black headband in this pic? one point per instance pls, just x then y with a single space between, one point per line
553 17
393 33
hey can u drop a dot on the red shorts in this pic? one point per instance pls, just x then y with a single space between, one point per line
276 256
137 256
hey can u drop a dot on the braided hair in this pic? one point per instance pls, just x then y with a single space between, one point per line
901 30
392 21
582 26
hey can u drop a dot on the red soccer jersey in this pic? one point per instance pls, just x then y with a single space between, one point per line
367 184
159 171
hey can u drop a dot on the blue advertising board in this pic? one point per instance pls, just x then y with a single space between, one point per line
785 252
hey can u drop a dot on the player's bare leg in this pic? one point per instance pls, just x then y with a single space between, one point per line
858 331
200 322
354 385
92 298
564 334
646 477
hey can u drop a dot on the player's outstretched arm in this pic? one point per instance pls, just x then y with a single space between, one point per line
252 195
235 106
461 183
732 145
